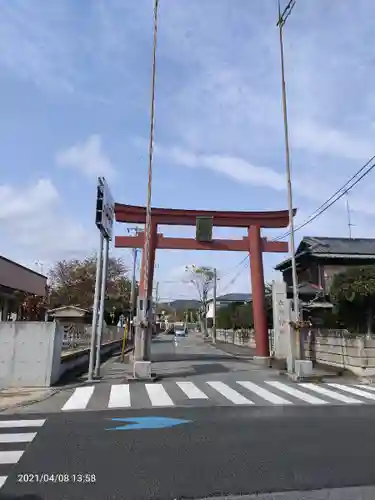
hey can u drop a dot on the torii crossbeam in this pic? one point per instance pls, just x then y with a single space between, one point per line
252 243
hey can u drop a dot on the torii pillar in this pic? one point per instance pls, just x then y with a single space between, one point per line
253 243
258 292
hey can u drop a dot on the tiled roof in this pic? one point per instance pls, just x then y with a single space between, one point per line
317 244
322 245
234 297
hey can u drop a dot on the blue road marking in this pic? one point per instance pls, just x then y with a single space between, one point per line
137 423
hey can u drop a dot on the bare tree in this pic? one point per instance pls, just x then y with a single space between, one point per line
203 280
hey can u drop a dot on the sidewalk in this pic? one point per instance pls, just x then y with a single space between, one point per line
242 351
320 371
16 397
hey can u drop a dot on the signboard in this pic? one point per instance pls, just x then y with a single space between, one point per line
105 209
204 229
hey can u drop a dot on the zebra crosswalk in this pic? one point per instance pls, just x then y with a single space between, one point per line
15 435
214 393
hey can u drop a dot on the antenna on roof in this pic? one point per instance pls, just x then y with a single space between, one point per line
350 225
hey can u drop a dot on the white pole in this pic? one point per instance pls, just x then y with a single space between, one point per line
296 316
101 308
288 174
98 279
214 308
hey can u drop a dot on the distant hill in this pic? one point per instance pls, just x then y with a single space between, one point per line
180 305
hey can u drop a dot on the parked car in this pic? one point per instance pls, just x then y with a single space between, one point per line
180 332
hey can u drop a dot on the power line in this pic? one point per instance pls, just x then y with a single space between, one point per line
337 195
342 191
237 275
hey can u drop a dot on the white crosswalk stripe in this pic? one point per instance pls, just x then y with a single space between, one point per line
158 395
191 390
183 392
264 393
79 399
25 437
331 394
353 390
229 393
21 423
366 387
10 457
297 393
119 396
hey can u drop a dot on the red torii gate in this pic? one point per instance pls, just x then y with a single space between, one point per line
252 243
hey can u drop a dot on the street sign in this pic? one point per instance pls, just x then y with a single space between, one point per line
105 209
137 423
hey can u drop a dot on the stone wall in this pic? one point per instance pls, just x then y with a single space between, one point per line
342 349
338 348
244 337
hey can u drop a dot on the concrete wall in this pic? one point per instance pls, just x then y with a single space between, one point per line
30 354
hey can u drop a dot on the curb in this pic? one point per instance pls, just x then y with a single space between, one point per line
30 402
53 392
309 378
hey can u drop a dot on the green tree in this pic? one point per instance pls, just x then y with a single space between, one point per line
72 282
353 292
239 315
203 280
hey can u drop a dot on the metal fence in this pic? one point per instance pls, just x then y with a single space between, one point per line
77 336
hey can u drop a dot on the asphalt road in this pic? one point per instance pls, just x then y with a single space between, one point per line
228 452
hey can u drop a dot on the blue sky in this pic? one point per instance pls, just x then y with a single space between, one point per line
74 99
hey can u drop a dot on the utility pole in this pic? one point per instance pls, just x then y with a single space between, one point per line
281 22
142 363
214 308
156 293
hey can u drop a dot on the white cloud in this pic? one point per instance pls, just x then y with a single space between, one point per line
28 202
307 186
237 169
329 141
87 158
32 226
